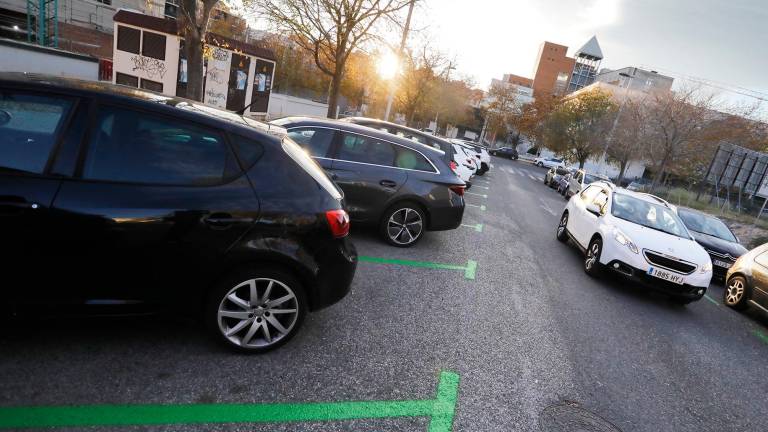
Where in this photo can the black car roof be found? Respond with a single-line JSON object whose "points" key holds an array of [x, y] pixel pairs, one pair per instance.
{"points": [[399, 126], [179, 106], [291, 122]]}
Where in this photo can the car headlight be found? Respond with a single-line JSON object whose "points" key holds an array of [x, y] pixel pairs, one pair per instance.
{"points": [[706, 267], [623, 240]]}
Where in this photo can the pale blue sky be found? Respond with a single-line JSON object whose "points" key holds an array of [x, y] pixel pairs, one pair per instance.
{"points": [[723, 41]]}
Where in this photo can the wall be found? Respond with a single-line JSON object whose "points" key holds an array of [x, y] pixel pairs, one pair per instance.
{"points": [[19, 56], [282, 105], [552, 60], [164, 71], [642, 80]]}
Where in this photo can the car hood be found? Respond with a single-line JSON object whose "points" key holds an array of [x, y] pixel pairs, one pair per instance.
{"points": [[719, 245], [668, 244]]}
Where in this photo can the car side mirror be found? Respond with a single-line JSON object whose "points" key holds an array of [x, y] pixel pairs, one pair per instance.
{"points": [[594, 209]]}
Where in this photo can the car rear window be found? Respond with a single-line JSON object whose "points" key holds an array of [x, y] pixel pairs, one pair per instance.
{"points": [[310, 166]]}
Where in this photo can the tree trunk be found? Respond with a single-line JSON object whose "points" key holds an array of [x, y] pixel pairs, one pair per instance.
{"points": [[622, 168], [582, 161], [333, 94], [194, 50], [658, 176]]}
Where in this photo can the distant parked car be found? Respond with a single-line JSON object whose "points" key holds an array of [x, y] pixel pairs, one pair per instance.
{"points": [[747, 281], [505, 152], [401, 186], [563, 182], [715, 237], [548, 162], [639, 185], [481, 153], [580, 179], [552, 177]]}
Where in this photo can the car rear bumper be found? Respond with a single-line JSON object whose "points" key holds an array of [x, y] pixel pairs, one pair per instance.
{"points": [[336, 266], [447, 217], [641, 277]]}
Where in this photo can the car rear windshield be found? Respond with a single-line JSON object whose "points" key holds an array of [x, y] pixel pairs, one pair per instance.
{"points": [[704, 224], [647, 214], [588, 178], [310, 166]]}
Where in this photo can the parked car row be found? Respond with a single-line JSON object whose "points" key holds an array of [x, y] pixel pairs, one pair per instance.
{"points": [[133, 202]]}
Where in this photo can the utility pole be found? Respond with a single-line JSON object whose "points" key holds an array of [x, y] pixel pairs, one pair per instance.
{"points": [[391, 95], [447, 79]]}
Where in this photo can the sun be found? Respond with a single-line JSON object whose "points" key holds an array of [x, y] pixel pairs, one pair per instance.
{"points": [[388, 66]]}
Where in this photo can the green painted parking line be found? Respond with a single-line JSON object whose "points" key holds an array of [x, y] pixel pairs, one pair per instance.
{"points": [[476, 194], [481, 207], [762, 336], [441, 411], [712, 300], [478, 227], [469, 269]]}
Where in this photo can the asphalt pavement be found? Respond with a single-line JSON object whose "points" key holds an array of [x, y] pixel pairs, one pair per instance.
{"points": [[537, 345]]}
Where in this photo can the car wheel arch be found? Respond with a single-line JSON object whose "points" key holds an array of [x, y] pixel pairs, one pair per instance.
{"points": [[408, 199]]}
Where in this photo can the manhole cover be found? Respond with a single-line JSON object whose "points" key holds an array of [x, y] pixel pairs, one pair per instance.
{"points": [[569, 417]]}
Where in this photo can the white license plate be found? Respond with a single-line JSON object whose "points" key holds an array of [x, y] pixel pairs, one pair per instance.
{"points": [[724, 264], [667, 276]]}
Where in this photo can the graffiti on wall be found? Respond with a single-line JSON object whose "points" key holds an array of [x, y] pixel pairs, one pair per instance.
{"points": [[217, 75], [150, 66]]}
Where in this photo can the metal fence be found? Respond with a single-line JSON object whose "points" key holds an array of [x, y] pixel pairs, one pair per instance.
{"points": [[739, 168]]}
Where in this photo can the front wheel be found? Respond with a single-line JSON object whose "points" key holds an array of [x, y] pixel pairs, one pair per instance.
{"points": [[562, 228], [540, 165], [256, 310], [403, 224], [592, 258], [735, 294]]}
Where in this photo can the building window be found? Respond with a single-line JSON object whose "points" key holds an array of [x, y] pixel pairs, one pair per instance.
{"points": [[128, 39], [152, 85], [127, 80], [106, 2], [171, 8], [153, 46]]}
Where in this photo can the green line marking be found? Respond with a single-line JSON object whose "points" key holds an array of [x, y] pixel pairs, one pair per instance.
{"points": [[475, 194], [478, 227], [441, 411], [762, 336], [481, 207], [712, 300], [469, 269]]}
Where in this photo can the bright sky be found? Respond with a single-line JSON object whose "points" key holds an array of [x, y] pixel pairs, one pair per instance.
{"points": [[722, 41]]}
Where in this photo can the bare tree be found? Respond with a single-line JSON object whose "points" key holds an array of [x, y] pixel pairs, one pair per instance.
{"points": [[628, 136], [502, 107], [419, 81], [195, 16], [329, 29]]}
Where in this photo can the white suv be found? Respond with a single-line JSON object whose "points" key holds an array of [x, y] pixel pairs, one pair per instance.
{"points": [[638, 236]]}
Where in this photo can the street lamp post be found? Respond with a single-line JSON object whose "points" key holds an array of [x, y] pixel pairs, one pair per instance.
{"points": [[447, 79], [391, 94]]}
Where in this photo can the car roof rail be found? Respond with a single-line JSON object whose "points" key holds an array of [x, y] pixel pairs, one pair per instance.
{"points": [[656, 198]]}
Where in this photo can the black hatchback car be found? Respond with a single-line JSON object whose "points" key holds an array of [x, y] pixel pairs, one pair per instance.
{"points": [[505, 152], [715, 237], [403, 187], [117, 200]]}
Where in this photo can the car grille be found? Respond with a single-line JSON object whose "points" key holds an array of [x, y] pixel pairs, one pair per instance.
{"points": [[669, 263], [721, 256]]}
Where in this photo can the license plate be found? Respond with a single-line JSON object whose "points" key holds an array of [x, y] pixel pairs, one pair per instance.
{"points": [[667, 276], [724, 264]]}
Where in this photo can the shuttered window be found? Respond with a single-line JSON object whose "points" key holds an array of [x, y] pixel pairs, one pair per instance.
{"points": [[128, 39], [153, 46]]}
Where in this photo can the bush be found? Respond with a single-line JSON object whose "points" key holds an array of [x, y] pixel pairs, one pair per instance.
{"points": [[757, 241], [533, 150]]}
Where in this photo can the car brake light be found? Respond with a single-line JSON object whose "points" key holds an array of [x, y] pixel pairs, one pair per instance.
{"points": [[454, 166], [458, 190], [338, 221]]}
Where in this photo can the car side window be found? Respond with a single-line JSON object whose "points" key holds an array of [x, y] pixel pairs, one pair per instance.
{"points": [[316, 140], [410, 159], [29, 127], [589, 193], [357, 148], [136, 147], [601, 199], [762, 259]]}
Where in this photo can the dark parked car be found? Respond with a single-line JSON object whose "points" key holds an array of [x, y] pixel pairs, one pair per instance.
{"points": [[394, 183], [115, 200], [747, 281], [505, 152], [553, 176], [715, 237]]}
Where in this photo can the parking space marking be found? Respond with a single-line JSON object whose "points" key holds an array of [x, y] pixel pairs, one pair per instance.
{"points": [[441, 411], [481, 207], [532, 177], [760, 335], [711, 300], [476, 194], [512, 170], [469, 270], [478, 227], [481, 187]]}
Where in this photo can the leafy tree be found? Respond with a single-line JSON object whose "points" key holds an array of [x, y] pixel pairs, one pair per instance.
{"points": [[502, 107], [627, 138], [577, 127], [532, 118], [195, 17], [418, 84], [330, 30]]}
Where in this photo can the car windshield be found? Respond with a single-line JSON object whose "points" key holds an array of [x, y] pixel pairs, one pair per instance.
{"points": [[589, 178], [704, 224], [647, 214]]}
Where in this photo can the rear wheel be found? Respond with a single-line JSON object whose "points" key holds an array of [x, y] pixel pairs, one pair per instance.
{"points": [[256, 310], [592, 258], [736, 293], [403, 224], [562, 228]]}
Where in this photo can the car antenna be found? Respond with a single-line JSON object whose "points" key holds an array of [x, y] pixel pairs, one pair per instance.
{"points": [[241, 111]]}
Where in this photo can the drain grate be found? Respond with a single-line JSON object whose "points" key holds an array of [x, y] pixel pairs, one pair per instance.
{"points": [[570, 417]]}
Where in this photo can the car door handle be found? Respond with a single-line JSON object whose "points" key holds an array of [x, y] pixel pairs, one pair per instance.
{"points": [[224, 220], [334, 177], [388, 183]]}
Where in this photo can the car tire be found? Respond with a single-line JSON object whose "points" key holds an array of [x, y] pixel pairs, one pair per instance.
{"points": [[540, 165], [255, 310], [562, 228], [736, 293], [592, 257], [545, 181], [481, 172], [401, 219]]}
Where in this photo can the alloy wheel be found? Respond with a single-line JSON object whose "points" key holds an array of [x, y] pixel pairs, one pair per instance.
{"points": [[734, 292], [592, 253], [561, 226], [258, 313], [404, 226]]}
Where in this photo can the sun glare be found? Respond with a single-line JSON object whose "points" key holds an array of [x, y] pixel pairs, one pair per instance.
{"points": [[388, 66]]}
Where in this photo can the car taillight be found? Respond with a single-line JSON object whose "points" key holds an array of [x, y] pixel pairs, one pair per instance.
{"points": [[454, 166], [458, 190], [338, 221]]}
